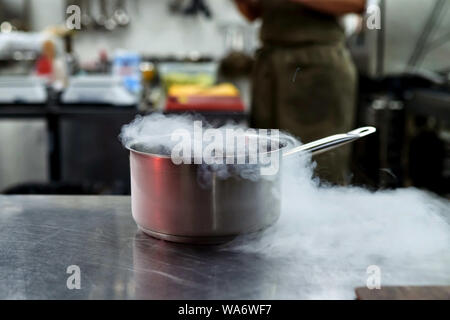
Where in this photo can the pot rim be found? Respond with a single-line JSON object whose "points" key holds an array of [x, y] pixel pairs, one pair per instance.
{"points": [[287, 140]]}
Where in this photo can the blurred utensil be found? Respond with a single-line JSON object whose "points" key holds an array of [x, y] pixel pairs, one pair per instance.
{"points": [[120, 14], [86, 17], [100, 18], [103, 20]]}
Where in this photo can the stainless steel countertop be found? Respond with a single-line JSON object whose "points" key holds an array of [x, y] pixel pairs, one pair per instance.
{"points": [[40, 236]]}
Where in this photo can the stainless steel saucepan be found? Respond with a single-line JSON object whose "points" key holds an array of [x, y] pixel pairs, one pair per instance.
{"points": [[169, 203]]}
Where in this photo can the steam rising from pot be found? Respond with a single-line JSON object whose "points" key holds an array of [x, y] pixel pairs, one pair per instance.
{"points": [[228, 150], [331, 235]]}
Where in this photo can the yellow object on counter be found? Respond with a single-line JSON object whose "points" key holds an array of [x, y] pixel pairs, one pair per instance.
{"points": [[178, 78], [223, 89]]}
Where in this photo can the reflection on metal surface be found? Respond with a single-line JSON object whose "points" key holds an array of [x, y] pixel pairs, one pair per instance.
{"points": [[178, 271], [43, 235]]}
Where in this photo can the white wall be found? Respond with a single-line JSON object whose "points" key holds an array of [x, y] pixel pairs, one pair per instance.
{"points": [[46, 12], [153, 30]]}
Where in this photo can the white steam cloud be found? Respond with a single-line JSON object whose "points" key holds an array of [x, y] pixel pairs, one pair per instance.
{"points": [[153, 131], [328, 236], [162, 134]]}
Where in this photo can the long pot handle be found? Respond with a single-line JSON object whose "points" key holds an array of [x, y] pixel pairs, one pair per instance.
{"points": [[331, 142]]}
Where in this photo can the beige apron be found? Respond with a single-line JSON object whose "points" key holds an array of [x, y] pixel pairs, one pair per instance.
{"points": [[304, 81]]}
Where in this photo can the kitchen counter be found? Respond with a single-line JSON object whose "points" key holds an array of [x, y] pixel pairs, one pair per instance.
{"points": [[41, 236]]}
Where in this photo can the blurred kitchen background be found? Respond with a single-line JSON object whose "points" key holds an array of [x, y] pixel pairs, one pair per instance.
{"points": [[59, 130]]}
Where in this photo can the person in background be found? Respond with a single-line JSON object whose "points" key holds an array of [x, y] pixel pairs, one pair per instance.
{"points": [[304, 80]]}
